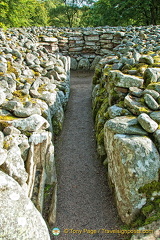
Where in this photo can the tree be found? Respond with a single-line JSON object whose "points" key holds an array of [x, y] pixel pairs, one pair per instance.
{"points": [[18, 13], [125, 12]]}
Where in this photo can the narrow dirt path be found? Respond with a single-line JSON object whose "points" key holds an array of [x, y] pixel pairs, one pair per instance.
{"points": [[84, 199]]}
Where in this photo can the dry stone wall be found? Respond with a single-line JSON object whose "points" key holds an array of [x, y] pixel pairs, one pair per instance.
{"points": [[34, 90], [126, 108], [86, 46]]}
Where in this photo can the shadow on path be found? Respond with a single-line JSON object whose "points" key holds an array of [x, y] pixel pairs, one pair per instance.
{"points": [[84, 198]]}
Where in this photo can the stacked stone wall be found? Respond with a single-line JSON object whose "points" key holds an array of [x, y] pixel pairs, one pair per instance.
{"points": [[126, 108], [34, 91], [86, 46]]}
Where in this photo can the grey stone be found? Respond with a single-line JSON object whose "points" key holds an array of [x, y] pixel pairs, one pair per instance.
{"points": [[74, 64], [4, 112], [29, 44], [28, 73], [125, 125], [147, 123], [124, 80], [155, 116], [153, 93], [137, 159], [59, 69], [117, 66], [11, 130], [15, 138], [135, 105], [136, 56], [49, 39], [30, 58], [54, 74], [115, 111], [3, 67], [14, 165], [95, 62], [137, 92], [23, 216], [126, 60], [151, 75], [3, 155], [92, 38], [146, 59], [156, 135], [26, 112], [154, 86], [2, 97], [151, 102], [31, 124], [12, 105], [84, 64], [16, 53], [1, 139], [132, 72]]}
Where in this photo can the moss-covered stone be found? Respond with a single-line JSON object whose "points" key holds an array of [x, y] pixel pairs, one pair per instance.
{"points": [[141, 67], [150, 212], [7, 118], [100, 117], [97, 75], [154, 86], [21, 96], [11, 69], [4, 121], [98, 100], [100, 144]]}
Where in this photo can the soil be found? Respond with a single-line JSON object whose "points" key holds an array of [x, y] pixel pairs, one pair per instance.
{"points": [[85, 202]]}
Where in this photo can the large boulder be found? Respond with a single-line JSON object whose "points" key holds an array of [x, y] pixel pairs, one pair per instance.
{"points": [[20, 220], [133, 161]]}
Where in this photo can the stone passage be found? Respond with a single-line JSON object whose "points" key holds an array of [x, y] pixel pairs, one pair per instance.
{"points": [[84, 199]]}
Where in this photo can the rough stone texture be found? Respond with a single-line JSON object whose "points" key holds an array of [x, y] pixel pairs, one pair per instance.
{"points": [[14, 165], [83, 64], [135, 105], [115, 111], [151, 75], [125, 125], [20, 220], [92, 42], [126, 81], [137, 92], [32, 124], [112, 99], [146, 59], [153, 93], [34, 91], [149, 100], [137, 159], [147, 123], [155, 116]]}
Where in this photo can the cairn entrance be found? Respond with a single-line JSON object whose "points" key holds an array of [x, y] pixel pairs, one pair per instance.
{"points": [[85, 202]]}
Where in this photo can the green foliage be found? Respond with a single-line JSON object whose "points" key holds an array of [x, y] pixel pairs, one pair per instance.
{"points": [[117, 12], [78, 13], [18, 13]]}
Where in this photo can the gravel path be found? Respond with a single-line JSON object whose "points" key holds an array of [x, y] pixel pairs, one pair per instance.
{"points": [[84, 200]]}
